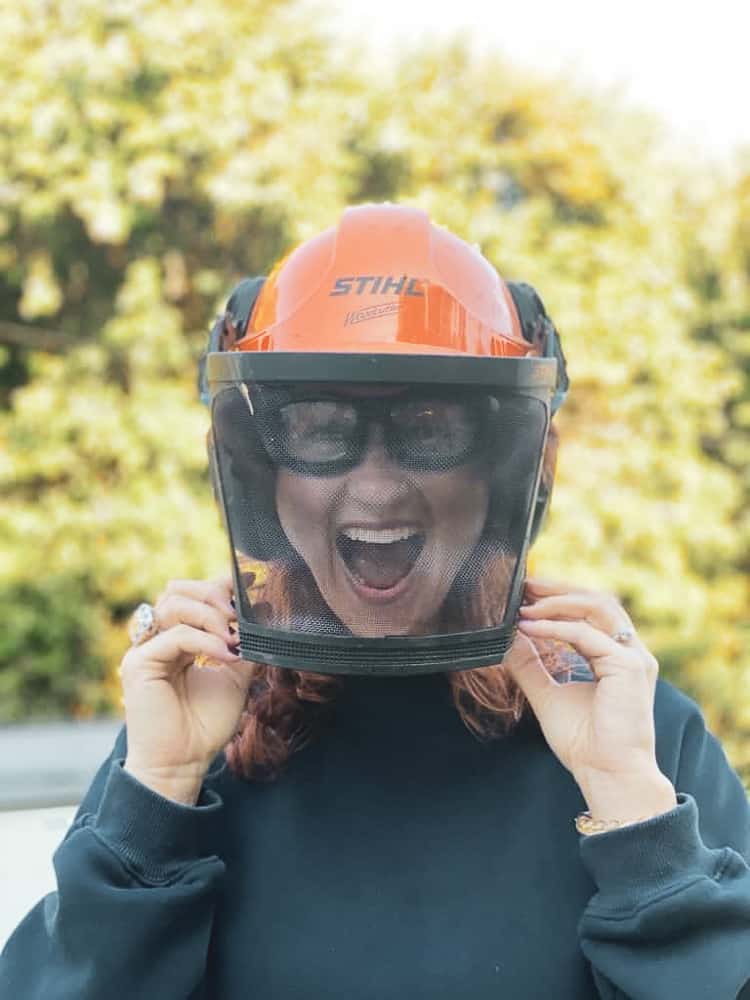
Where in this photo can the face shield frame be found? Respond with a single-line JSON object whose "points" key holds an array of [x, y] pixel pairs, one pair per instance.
{"points": [[535, 377]]}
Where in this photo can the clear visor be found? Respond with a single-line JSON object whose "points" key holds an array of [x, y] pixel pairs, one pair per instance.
{"points": [[376, 511]]}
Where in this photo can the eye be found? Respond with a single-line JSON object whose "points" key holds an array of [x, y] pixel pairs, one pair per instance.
{"points": [[448, 426], [317, 430]]}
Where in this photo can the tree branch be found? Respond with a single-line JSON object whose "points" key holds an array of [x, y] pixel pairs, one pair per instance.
{"points": [[33, 337]]}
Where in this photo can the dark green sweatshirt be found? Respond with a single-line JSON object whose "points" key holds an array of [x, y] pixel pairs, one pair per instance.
{"points": [[398, 858]]}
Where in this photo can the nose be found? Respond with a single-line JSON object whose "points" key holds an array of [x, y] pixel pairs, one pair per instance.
{"points": [[377, 479]]}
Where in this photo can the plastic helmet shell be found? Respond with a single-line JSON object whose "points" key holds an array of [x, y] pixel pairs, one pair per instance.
{"points": [[386, 280]]}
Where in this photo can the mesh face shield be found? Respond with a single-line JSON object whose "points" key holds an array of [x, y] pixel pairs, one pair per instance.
{"points": [[378, 507]]}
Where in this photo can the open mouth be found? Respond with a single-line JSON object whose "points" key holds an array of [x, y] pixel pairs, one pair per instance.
{"points": [[380, 558]]}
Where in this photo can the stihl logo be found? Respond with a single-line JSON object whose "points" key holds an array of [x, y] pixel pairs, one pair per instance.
{"points": [[379, 284]]}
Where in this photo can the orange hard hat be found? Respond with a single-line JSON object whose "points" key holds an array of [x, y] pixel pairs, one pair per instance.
{"points": [[384, 302], [386, 280]]}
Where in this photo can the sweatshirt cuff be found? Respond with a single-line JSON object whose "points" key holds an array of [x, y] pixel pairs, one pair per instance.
{"points": [[644, 858], [152, 834]]}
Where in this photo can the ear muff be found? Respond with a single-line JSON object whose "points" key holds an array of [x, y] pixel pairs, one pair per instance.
{"points": [[539, 329], [227, 329]]}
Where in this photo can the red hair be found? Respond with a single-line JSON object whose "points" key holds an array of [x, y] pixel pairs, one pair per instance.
{"points": [[285, 708]]}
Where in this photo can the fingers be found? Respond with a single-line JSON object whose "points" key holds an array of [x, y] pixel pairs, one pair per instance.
{"points": [[527, 669], [599, 610], [193, 618], [586, 638], [588, 621], [176, 609], [216, 592], [173, 650]]}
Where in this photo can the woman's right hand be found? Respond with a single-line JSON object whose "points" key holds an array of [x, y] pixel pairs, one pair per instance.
{"points": [[179, 715]]}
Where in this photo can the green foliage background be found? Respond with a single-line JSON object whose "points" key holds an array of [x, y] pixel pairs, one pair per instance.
{"points": [[152, 153]]}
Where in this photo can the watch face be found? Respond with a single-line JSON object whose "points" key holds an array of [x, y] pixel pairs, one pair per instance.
{"points": [[377, 510]]}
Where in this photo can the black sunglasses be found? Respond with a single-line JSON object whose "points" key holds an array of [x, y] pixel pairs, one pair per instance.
{"points": [[324, 434]]}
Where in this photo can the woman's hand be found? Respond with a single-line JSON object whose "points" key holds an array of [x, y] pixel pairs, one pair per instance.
{"points": [[179, 713], [602, 732]]}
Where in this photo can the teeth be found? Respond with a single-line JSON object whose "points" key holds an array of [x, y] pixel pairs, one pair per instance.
{"points": [[380, 536]]}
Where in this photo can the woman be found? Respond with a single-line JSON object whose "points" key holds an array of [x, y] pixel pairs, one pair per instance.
{"points": [[382, 527]]}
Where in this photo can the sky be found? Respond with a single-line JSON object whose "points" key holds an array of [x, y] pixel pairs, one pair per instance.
{"points": [[689, 63]]}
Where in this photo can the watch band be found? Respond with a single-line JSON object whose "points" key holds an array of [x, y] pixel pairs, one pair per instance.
{"points": [[586, 824]]}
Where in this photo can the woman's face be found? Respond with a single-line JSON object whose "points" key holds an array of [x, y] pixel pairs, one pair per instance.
{"points": [[384, 543]]}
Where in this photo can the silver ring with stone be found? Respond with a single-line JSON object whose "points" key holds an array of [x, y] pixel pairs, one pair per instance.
{"points": [[143, 624], [624, 635]]}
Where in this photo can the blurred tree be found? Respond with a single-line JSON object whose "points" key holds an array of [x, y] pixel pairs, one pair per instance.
{"points": [[584, 199], [154, 153], [717, 263]]}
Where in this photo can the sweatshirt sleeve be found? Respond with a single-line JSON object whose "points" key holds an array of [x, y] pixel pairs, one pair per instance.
{"points": [[133, 910], [671, 915]]}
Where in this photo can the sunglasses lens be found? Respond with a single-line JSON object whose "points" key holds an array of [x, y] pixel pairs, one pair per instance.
{"points": [[433, 432], [318, 431]]}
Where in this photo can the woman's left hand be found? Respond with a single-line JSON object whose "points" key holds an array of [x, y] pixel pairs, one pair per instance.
{"points": [[602, 732]]}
